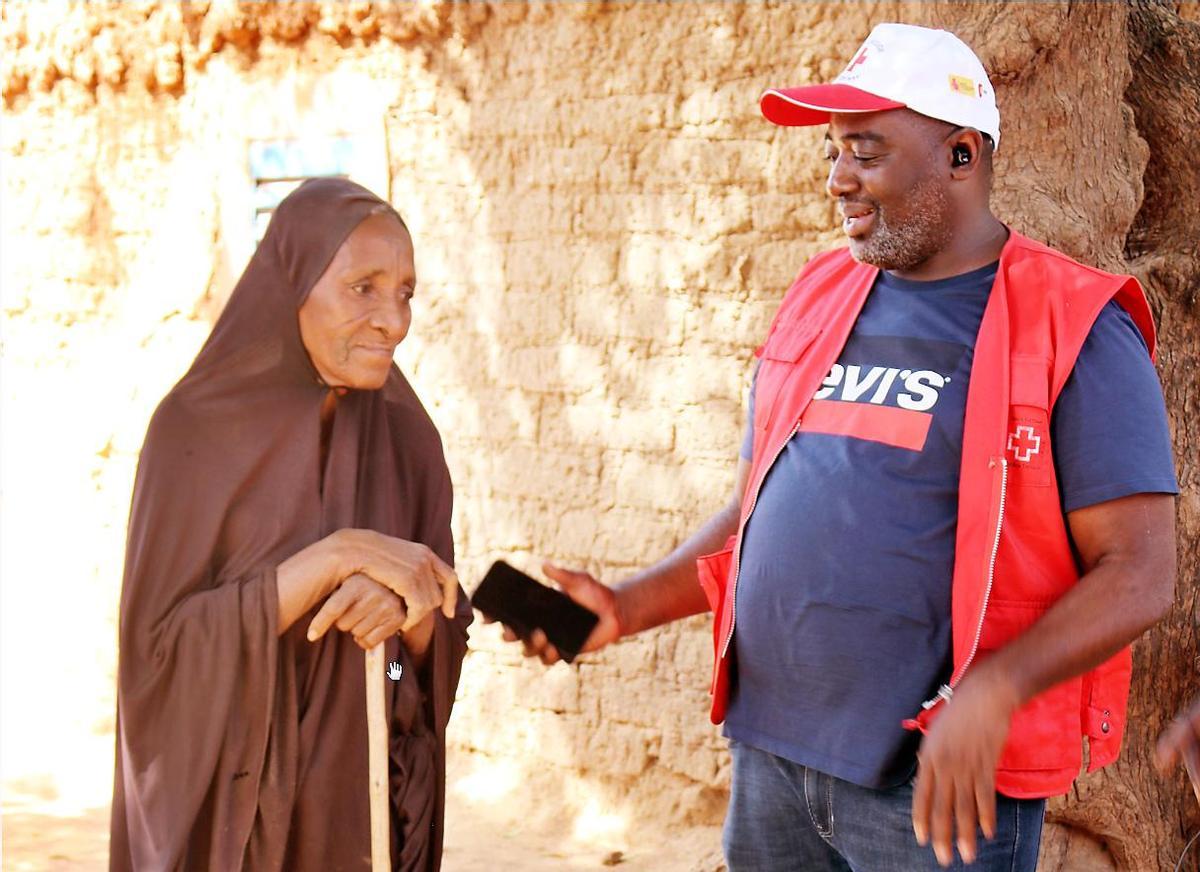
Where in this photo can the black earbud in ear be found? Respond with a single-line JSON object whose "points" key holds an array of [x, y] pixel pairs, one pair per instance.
{"points": [[961, 156]]}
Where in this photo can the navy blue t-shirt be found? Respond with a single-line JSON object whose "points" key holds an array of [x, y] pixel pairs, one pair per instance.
{"points": [[843, 596]]}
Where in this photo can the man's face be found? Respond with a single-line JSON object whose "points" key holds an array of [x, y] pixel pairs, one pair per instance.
{"points": [[890, 178], [359, 309]]}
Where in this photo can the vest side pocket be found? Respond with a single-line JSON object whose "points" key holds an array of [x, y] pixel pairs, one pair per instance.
{"points": [[712, 570], [1103, 707], [1043, 734]]}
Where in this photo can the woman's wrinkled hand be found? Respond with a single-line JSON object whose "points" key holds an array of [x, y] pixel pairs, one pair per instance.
{"points": [[409, 569], [362, 607]]}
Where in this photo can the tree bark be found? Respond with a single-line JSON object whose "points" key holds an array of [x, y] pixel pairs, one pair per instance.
{"points": [[1100, 106], [1128, 817]]}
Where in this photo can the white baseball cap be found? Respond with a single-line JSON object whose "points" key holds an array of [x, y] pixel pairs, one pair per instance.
{"points": [[932, 72]]}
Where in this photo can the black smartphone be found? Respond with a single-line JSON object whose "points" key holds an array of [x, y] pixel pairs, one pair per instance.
{"points": [[513, 598]]}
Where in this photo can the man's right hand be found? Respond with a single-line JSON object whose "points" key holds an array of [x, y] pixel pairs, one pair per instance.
{"points": [[584, 589], [665, 592]]}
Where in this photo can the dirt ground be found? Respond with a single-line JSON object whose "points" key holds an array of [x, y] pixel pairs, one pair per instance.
{"points": [[39, 838]]}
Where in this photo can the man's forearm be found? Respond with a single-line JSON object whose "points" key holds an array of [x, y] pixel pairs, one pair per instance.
{"points": [[1111, 606], [669, 590], [1128, 547]]}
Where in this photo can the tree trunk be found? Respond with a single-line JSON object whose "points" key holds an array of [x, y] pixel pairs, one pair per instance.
{"points": [[1128, 817]]}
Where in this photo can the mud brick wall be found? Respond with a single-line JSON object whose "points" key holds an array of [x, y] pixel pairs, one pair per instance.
{"points": [[603, 225]]}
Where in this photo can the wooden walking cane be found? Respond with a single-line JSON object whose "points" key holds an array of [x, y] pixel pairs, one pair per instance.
{"points": [[377, 746]]}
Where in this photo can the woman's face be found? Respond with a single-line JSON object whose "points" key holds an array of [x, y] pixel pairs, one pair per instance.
{"points": [[360, 308]]}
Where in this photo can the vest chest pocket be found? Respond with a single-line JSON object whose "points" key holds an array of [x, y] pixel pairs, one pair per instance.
{"points": [[788, 342], [779, 361], [1027, 447]]}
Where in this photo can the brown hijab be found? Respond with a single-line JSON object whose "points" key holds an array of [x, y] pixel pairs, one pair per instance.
{"points": [[237, 748]]}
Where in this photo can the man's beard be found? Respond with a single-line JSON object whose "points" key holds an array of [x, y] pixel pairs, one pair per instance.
{"points": [[921, 230]]}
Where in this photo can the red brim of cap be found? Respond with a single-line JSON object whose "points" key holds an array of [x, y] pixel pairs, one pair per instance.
{"points": [[812, 104]]}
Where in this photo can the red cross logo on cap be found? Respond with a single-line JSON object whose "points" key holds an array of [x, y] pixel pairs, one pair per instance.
{"points": [[1024, 443], [858, 58]]}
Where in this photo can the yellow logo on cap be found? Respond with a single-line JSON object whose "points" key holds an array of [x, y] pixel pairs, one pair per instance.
{"points": [[963, 85]]}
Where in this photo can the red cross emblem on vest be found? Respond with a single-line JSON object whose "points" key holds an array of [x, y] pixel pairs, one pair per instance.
{"points": [[1024, 443]]}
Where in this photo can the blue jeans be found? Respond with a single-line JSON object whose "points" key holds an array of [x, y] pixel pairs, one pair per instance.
{"points": [[783, 817]]}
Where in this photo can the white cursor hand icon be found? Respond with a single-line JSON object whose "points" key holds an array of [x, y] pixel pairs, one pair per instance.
{"points": [[394, 670]]}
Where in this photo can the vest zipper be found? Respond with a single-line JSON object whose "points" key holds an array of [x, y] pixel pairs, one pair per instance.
{"points": [[737, 557], [947, 690]]}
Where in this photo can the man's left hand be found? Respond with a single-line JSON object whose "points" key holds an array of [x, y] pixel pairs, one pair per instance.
{"points": [[956, 774]]}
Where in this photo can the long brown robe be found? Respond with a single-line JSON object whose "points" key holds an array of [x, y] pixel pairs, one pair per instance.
{"points": [[238, 749]]}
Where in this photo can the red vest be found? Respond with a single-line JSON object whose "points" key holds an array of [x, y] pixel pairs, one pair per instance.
{"points": [[1012, 559]]}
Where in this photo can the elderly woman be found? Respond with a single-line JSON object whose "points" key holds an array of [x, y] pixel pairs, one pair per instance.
{"points": [[292, 507]]}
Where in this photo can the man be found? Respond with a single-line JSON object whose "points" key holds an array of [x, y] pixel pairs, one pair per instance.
{"points": [[953, 506]]}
